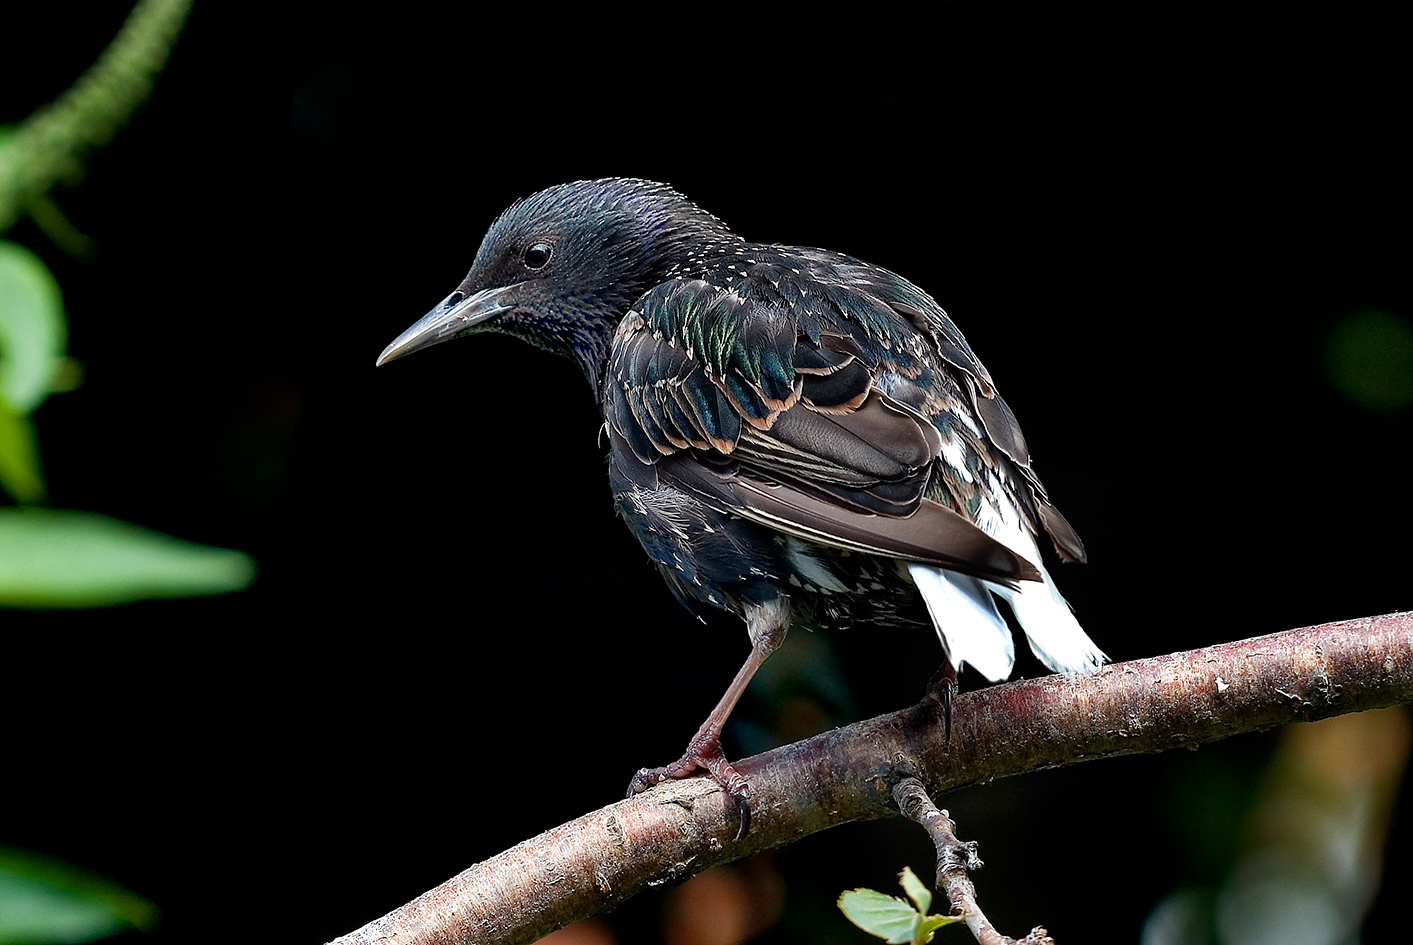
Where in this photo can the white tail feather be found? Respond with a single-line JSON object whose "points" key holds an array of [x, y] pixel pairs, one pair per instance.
{"points": [[1055, 635], [973, 631], [967, 621]]}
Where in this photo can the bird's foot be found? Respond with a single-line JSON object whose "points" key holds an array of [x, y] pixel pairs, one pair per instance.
{"points": [[942, 690], [703, 753]]}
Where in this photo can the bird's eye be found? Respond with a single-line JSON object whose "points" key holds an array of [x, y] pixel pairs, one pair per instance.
{"points": [[537, 256]]}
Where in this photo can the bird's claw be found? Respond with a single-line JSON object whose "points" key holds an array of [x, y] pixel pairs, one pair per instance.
{"points": [[942, 690], [710, 757], [646, 778], [739, 797]]}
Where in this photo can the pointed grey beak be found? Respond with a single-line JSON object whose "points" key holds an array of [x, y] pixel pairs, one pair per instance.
{"points": [[455, 315]]}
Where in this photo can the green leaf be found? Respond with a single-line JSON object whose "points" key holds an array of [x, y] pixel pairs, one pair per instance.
{"points": [[887, 917], [32, 330], [51, 558], [890, 918], [44, 900], [917, 892], [20, 474], [928, 926]]}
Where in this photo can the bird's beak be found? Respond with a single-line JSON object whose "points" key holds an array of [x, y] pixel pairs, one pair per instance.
{"points": [[457, 314]]}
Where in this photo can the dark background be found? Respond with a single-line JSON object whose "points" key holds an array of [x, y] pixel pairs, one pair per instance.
{"points": [[1147, 223]]}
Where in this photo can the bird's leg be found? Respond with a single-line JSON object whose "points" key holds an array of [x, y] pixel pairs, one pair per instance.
{"points": [[766, 624], [942, 689]]}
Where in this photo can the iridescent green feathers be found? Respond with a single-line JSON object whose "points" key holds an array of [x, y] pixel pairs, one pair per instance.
{"points": [[717, 359]]}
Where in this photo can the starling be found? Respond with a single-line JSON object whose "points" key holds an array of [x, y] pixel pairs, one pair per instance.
{"points": [[795, 436]]}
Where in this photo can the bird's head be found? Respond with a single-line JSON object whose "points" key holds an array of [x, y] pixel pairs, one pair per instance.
{"points": [[561, 268]]}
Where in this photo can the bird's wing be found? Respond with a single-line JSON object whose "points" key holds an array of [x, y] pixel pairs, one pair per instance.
{"points": [[827, 399]]}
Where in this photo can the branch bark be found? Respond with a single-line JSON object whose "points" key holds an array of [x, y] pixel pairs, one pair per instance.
{"points": [[679, 829]]}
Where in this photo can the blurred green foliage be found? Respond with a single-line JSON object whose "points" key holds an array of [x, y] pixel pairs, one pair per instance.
{"points": [[32, 338], [50, 558], [57, 558], [1307, 850], [44, 899], [53, 558], [1369, 359]]}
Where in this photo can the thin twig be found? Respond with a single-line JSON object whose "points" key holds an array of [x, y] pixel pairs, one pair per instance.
{"points": [[679, 829], [49, 145], [954, 861]]}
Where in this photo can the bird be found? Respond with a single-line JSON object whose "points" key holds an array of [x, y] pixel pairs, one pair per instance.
{"points": [[795, 436]]}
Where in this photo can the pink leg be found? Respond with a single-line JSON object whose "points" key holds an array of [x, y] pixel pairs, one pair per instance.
{"points": [[767, 624]]}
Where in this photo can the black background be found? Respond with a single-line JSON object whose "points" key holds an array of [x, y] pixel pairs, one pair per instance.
{"points": [[1147, 224]]}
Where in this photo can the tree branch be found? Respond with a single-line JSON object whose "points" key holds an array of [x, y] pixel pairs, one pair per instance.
{"points": [[679, 829]]}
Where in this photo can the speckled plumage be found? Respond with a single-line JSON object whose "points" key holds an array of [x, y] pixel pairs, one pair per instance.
{"points": [[795, 435]]}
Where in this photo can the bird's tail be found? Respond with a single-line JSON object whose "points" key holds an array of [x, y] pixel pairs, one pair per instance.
{"points": [[966, 618], [973, 631], [1055, 635]]}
